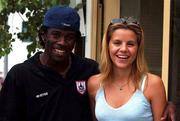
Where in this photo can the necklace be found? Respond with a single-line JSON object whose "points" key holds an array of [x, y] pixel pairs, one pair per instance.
{"points": [[120, 87]]}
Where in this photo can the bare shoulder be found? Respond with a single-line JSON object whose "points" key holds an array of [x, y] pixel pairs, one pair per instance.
{"points": [[93, 84], [154, 80], [94, 80], [155, 86]]}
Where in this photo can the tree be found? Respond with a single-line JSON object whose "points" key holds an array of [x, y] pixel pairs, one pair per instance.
{"points": [[34, 10]]}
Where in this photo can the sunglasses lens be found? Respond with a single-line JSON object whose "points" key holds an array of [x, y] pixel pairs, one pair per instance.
{"points": [[128, 20], [117, 21]]}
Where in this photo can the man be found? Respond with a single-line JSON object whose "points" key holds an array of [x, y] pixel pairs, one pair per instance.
{"points": [[51, 85]]}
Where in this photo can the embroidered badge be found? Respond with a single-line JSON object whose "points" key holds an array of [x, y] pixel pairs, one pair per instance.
{"points": [[42, 95], [81, 86]]}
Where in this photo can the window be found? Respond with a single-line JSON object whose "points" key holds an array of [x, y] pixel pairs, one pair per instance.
{"points": [[150, 15]]}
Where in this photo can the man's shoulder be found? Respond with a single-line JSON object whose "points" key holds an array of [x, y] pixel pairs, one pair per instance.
{"points": [[84, 60], [26, 64], [85, 65]]}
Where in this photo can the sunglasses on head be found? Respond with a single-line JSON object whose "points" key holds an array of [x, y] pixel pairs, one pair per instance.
{"points": [[128, 20]]}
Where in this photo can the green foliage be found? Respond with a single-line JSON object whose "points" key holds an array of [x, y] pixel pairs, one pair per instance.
{"points": [[34, 10]]}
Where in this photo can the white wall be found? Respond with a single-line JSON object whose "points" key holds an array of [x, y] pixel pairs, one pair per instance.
{"points": [[19, 51]]}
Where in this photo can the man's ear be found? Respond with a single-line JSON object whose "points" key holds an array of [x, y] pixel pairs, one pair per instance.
{"points": [[43, 36]]}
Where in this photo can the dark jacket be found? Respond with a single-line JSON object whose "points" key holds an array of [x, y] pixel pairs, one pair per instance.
{"points": [[33, 92]]}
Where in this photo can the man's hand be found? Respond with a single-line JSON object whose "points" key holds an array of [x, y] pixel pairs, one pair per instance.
{"points": [[169, 112]]}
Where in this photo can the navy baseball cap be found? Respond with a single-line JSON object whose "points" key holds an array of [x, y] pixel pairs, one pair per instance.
{"points": [[62, 17]]}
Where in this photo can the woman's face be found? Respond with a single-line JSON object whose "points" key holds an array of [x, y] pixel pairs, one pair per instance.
{"points": [[123, 48]]}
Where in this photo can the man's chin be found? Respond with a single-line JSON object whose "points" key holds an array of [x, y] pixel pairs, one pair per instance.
{"points": [[59, 58]]}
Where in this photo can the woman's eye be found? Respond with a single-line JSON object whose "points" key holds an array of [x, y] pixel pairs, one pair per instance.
{"points": [[131, 44], [116, 43]]}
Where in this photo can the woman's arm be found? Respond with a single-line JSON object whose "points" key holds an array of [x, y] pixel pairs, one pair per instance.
{"points": [[157, 96], [92, 86]]}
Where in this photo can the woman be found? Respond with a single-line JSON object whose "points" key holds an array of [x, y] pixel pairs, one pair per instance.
{"points": [[125, 90]]}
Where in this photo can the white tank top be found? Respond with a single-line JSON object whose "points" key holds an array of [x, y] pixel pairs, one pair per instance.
{"points": [[137, 108]]}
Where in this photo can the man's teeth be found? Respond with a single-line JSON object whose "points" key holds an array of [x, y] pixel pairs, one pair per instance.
{"points": [[59, 51]]}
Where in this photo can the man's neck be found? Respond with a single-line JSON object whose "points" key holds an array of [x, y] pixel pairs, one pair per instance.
{"points": [[61, 67]]}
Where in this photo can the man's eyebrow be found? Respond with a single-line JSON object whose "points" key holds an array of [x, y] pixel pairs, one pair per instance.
{"points": [[56, 31]]}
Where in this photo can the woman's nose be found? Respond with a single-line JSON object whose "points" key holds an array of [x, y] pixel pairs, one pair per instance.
{"points": [[123, 47]]}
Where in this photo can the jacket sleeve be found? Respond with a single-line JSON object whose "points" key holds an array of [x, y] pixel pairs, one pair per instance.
{"points": [[12, 104]]}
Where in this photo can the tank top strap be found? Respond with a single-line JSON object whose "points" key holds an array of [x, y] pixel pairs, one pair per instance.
{"points": [[143, 81], [100, 84], [100, 89]]}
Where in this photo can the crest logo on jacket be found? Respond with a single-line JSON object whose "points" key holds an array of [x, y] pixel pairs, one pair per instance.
{"points": [[81, 86]]}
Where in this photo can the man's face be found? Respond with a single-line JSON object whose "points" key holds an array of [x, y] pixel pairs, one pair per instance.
{"points": [[59, 44]]}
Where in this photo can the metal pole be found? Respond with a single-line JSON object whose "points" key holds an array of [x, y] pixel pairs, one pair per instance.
{"points": [[5, 65]]}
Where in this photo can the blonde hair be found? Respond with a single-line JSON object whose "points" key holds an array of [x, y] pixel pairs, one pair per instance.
{"points": [[139, 66]]}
